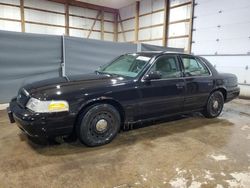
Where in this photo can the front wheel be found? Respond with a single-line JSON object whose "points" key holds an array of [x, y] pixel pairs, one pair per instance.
{"points": [[214, 105], [99, 125]]}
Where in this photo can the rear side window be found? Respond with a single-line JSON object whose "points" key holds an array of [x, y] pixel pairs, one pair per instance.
{"points": [[192, 67]]}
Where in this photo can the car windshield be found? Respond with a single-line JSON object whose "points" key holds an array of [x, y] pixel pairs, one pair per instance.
{"points": [[126, 65]]}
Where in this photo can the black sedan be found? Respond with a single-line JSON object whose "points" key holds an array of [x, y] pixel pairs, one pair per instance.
{"points": [[132, 88]]}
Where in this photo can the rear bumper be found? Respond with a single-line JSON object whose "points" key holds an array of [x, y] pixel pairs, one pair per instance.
{"points": [[40, 124], [232, 94]]}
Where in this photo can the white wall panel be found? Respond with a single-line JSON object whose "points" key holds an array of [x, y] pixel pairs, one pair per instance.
{"points": [[95, 35], [128, 24], [178, 43], [177, 2], [152, 19], [108, 26], [108, 36], [158, 4], [178, 29], [83, 12], [13, 2], [158, 18], [44, 17], [10, 26], [231, 64], [78, 33], [108, 16], [83, 23], [156, 32], [144, 34], [211, 47], [120, 37], [180, 13], [145, 21], [78, 22], [10, 12], [47, 5], [33, 28], [130, 36], [145, 6], [128, 11], [151, 33]]}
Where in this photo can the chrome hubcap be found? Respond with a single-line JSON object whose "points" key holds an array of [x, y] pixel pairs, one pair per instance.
{"points": [[101, 125], [215, 104]]}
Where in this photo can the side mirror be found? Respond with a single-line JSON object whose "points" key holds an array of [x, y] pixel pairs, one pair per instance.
{"points": [[153, 76]]}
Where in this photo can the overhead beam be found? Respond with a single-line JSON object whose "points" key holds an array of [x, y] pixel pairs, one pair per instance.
{"points": [[22, 15], [137, 10], [86, 5], [166, 22]]}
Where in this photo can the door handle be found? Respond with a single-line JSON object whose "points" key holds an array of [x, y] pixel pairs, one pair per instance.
{"points": [[180, 85]]}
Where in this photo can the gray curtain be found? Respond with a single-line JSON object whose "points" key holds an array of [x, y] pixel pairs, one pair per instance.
{"points": [[26, 58], [87, 55]]}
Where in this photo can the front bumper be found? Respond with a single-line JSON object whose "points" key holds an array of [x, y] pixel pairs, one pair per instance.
{"points": [[40, 124]]}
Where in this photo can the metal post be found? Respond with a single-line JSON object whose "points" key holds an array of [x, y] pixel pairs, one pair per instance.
{"points": [[63, 56], [138, 47]]}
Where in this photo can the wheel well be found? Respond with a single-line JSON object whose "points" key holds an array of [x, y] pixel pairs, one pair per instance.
{"points": [[223, 91], [115, 104]]}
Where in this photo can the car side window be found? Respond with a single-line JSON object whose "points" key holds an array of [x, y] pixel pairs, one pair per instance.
{"points": [[192, 67], [167, 66]]}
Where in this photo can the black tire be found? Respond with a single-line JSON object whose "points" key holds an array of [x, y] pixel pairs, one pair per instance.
{"points": [[98, 125], [214, 105]]}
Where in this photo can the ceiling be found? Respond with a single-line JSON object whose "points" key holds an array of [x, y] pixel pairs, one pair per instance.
{"points": [[110, 3]]}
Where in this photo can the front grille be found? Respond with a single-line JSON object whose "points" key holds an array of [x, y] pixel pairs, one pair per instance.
{"points": [[22, 97]]}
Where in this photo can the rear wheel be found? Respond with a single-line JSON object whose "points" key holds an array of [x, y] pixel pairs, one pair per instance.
{"points": [[214, 105], [99, 125]]}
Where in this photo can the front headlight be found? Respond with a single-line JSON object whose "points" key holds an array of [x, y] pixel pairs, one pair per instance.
{"points": [[47, 106]]}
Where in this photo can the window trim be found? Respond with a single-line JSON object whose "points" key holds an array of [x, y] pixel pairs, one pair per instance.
{"points": [[199, 61], [155, 60]]}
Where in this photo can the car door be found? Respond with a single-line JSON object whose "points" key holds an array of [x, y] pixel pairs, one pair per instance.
{"points": [[199, 82], [164, 96]]}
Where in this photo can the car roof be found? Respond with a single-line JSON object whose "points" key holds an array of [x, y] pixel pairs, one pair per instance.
{"points": [[154, 53]]}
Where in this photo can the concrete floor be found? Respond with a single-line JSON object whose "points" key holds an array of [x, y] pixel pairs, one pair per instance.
{"points": [[188, 152]]}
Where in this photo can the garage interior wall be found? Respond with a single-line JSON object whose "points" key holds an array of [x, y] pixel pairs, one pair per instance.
{"points": [[159, 22], [222, 35], [28, 57], [47, 17]]}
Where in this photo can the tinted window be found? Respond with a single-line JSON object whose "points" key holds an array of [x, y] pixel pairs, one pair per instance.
{"points": [[167, 66], [194, 68]]}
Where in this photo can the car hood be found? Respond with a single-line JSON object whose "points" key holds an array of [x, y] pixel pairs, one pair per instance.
{"points": [[57, 86]]}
